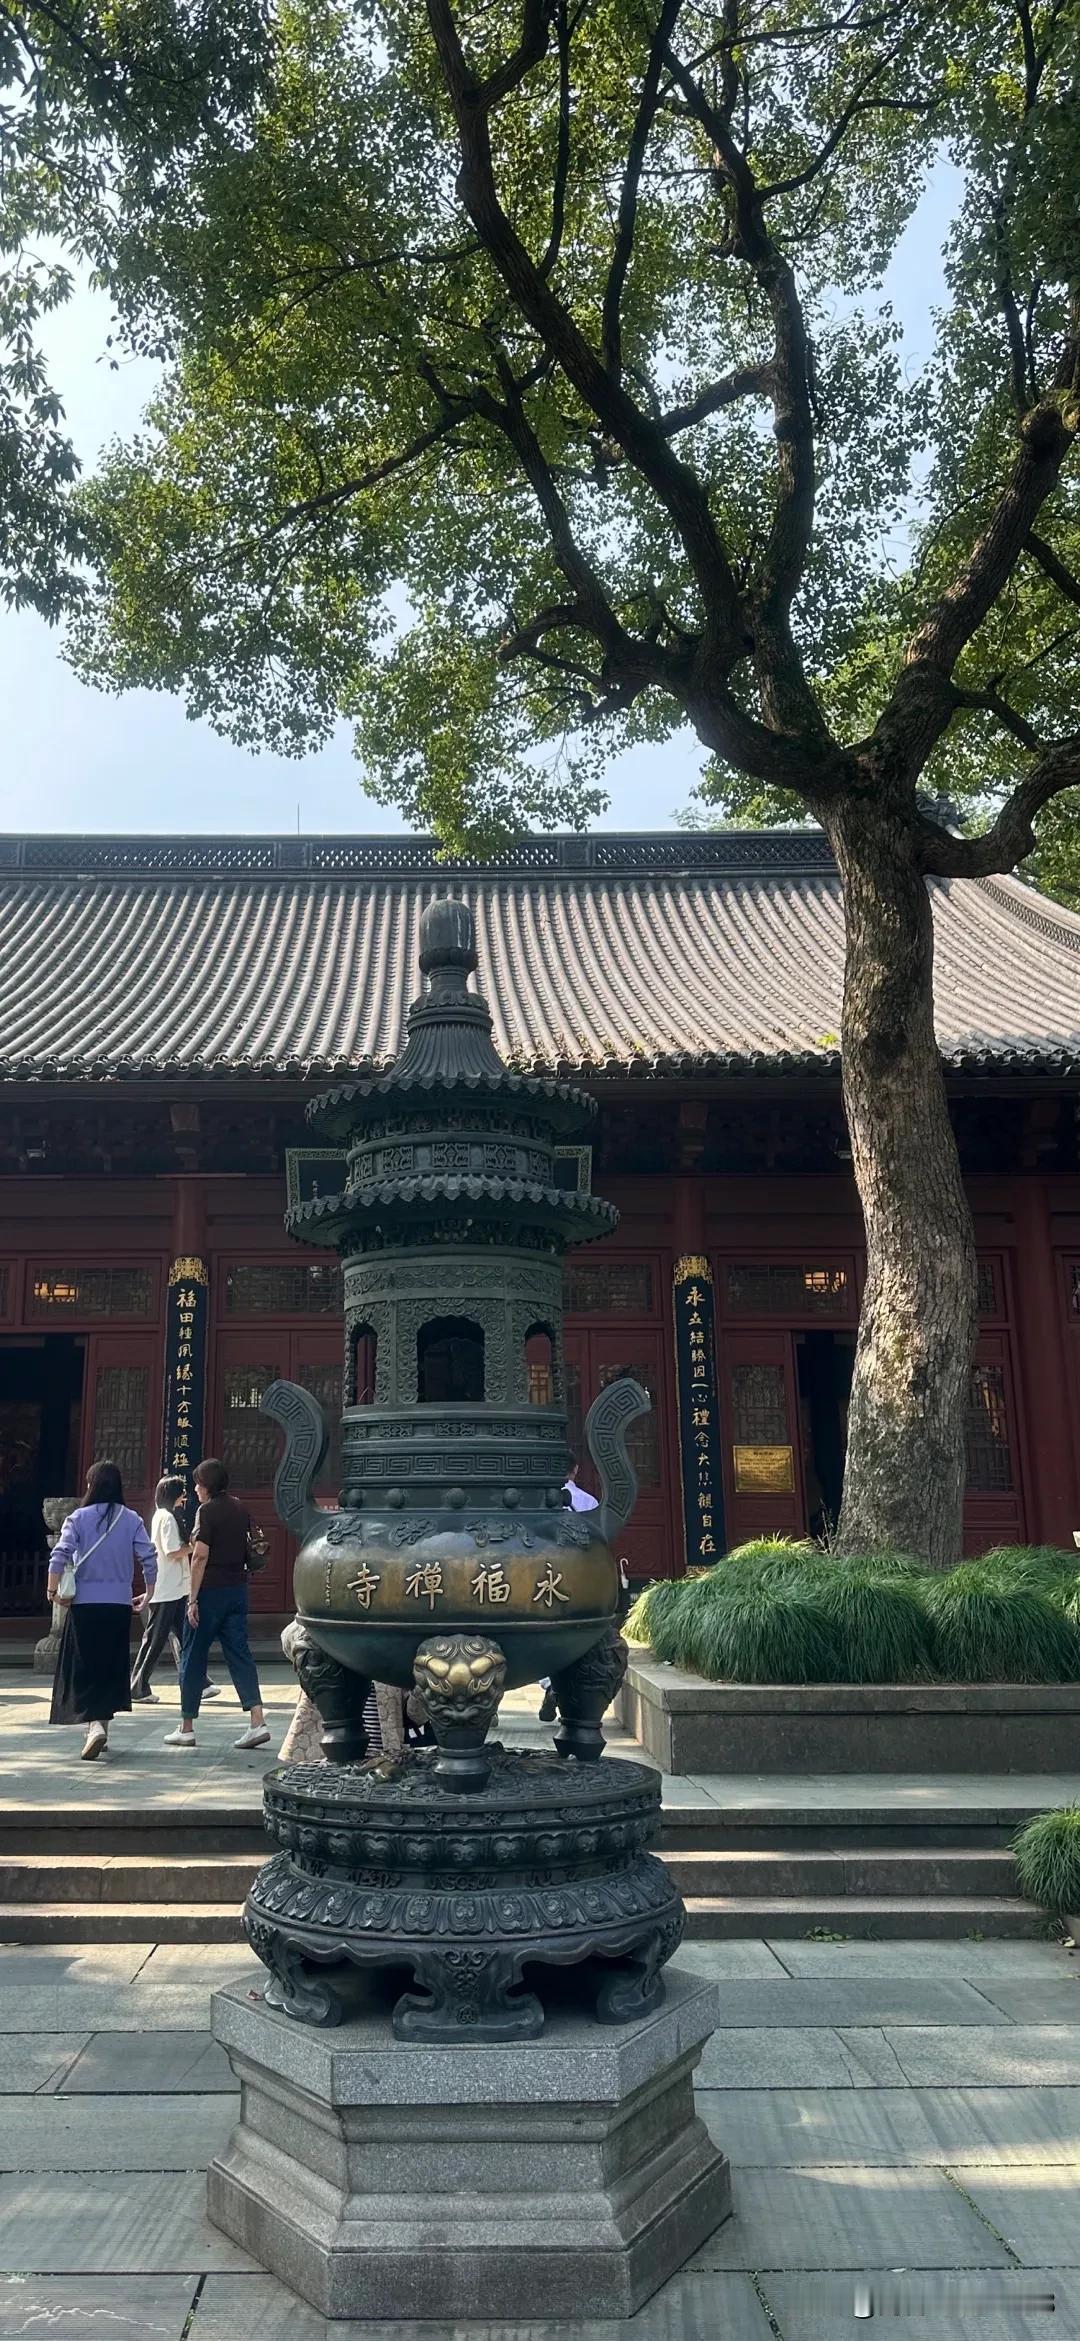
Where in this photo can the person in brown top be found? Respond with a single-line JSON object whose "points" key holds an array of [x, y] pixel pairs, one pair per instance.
{"points": [[217, 1608]]}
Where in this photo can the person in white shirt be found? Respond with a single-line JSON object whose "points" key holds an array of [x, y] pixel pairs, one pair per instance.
{"points": [[580, 1501], [165, 1604]]}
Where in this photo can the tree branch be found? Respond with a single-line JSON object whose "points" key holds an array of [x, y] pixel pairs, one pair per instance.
{"points": [[742, 383], [1054, 568], [307, 507], [536, 20], [992, 703], [679, 490], [922, 699], [562, 150], [785, 690], [611, 326], [1011, 836]]}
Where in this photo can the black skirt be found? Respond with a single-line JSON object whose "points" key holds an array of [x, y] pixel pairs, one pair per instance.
{"points": [[92, 1682]]}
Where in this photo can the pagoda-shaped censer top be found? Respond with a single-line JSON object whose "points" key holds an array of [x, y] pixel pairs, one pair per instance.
{"points": [[452, 1228]]}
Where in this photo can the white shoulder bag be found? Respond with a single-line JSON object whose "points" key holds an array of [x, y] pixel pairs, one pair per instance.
{"points": [[65, 1592]]}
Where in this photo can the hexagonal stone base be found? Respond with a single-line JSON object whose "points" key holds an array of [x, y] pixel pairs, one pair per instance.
{"points": [[568, 2177]]}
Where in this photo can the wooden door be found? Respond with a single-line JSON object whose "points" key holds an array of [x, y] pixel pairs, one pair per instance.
{"points": [[993, 1497], [249, 1444], [759, 1430], [122, 1411], [600, 1355]]}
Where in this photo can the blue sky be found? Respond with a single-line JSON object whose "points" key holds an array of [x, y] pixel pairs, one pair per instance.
{"points": [[81, 760]]}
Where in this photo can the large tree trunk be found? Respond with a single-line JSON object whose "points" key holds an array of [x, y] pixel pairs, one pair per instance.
{"points": [[904, 1478]]}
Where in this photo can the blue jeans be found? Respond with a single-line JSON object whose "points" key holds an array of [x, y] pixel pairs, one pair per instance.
{"points": [[222, 1618]]}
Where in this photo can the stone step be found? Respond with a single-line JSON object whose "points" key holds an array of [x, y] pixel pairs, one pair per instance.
{"points": [[209, 1878], [120, 1922], [717, 1918], [708, 1828], [877, 1871], [710, 1918], [100, 1832]]}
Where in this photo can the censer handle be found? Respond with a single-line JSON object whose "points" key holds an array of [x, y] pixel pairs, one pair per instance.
{"points": [[609, 1418], [306, 1441]]}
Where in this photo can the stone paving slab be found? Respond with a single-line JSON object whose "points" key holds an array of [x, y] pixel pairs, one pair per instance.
{"points": [[708, 2307], [732, 1962], [820, 2308], [862, 2217], [776, 2128], [109, 1963], [205, 1963], [1036, 2209], [854, 2000], [774, 2058], [177, 2007], [1028, 2056], [166, 2063], [919, 1962], [917, 1794], [68, 2132], [125, 2308], [101, 2224], [37, 2061], [1036, 2003]]}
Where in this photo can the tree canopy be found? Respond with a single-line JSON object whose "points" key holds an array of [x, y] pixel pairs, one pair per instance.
{"points": [[99, 101], [530, 394]]}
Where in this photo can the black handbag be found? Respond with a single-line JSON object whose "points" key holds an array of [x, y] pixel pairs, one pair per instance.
{"points": [[258, 1551]]}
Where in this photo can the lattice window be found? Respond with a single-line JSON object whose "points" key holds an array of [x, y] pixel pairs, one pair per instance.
{"points": [[643, 1436], [767, 1288], [1074, 1298], [302, 1289], [121, 1409], [249, 1441], [324, 1383], [989, 1289], [759, 1406], [93, 1292], [608, 1288], [989, 1455]]}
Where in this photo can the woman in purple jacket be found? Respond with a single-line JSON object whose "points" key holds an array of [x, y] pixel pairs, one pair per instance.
{"points": [[103, 1541]]}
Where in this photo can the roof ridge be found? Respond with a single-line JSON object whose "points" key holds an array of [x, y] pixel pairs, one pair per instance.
{"points": [[664, 851]]}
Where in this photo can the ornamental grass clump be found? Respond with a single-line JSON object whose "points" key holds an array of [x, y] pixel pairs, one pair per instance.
{"points": [[1047, 1855], [879, 1623], [645, 1619], [1046, 1566], [759, 1629], [984, 1630]]}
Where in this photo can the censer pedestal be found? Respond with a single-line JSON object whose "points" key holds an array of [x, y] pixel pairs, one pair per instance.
{"points": [[567, 2177]]}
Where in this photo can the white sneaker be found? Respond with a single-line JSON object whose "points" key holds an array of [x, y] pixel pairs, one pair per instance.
{"points": [[212, 1691], [179, 1739], [97, 1737], [257, 1735]]}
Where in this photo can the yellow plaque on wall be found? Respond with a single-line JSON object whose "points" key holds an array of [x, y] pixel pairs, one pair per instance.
{"points": [[764, 1471]]}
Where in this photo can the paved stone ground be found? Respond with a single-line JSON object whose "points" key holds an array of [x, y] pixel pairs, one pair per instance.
{"points": [[887, 2107], [899, 2115]]}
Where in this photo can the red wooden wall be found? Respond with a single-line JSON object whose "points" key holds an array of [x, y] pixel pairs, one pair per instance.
{"points": [[91, 1258]]}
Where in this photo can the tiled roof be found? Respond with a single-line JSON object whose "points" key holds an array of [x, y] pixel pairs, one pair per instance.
{"points": [[142, 957]]}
